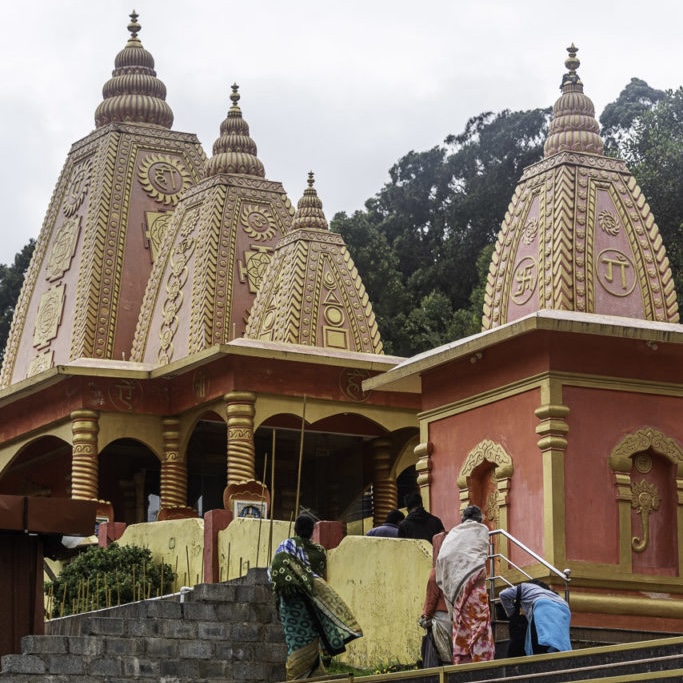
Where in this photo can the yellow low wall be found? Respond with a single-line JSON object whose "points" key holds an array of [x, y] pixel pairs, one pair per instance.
{"points": [[382, 580], [178, 542]]}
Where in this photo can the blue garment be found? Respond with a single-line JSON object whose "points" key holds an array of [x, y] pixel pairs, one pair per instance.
{"points": [[388, 530], [551, 619]]}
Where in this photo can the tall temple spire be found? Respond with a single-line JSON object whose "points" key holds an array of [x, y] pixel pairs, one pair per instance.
{"points": [[573, 127], [578, 234], [311, 293], [309, 210], [134, 94], [234, 151]]}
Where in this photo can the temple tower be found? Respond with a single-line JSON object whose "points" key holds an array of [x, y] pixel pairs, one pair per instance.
{"points": [[312, 293], [107, 218], [578, 234], [220, 242]]}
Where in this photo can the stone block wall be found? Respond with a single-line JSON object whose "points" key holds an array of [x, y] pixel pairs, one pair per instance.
{"points": [[224, 631]]}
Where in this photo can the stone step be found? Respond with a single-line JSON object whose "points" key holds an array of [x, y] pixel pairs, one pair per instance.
{"points": [[597, 663], [191, 662]]}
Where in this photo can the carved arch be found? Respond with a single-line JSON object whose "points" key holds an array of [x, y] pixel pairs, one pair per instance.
{"points": [[643, 440], [621, 463], [489, 451]]}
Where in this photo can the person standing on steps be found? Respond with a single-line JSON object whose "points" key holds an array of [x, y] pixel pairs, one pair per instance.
{"points": [[461, 575], [315, 619], [419, 523]]}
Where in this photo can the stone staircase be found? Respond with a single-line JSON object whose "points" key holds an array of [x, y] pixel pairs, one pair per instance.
{"points": [[214, 632], [660, 661]]}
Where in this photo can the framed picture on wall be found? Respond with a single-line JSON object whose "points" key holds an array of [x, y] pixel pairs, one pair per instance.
{"points": [[250, 509]]}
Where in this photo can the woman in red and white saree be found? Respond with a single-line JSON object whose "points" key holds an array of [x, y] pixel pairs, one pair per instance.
{"points": [[461, 575]]}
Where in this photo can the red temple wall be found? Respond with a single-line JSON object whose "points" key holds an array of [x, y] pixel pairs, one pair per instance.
{"points": [[598, 421], [509, 422]]}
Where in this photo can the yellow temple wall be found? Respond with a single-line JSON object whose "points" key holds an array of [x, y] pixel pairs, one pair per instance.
{"points": [[382, 580]]}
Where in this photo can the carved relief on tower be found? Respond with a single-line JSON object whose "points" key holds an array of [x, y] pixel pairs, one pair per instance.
{"points": [[163, 178], [175, 283], [257, 221], [334, 333], [522, 287], [615, 262], [254, 266], [78, 187], [157, 227], [41, 362], [63, 248], [49, 316]]}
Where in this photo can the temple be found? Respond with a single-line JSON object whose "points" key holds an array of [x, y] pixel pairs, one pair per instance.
{"points": [[560, 419], [143, 371], [187, 337]]}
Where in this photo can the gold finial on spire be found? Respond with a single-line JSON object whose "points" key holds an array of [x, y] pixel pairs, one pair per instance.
{"points": [[572, 63], [309, 210], [234, 151], [235, 97], [134, 94], [573, 127], [134, 27]]}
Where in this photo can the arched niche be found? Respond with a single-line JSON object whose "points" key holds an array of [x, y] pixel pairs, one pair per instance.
{"points": [[487, 472], [484, 480], [42, 467], [644, 463], [129, 478]]}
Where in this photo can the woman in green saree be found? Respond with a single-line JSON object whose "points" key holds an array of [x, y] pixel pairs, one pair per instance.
{"points": [[314, 617]]}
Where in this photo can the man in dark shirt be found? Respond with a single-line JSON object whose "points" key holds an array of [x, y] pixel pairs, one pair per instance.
{"points": [[419, 523]]}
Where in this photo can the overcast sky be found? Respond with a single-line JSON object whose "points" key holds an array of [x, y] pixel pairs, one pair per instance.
{"points": [[340, 87]]}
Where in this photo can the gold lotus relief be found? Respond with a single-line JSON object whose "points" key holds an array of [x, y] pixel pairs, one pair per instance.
{"points": [[257, 221], [163, 178], [63, 248], [49, 315], [77, 190]]}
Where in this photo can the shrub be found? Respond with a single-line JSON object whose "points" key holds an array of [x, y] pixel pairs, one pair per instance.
{"points": [[105, 577]]}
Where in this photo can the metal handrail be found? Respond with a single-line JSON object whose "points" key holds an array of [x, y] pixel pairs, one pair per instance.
{"points": [[564, 575]]}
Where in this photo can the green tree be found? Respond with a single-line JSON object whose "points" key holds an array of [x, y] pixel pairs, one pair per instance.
{"points": [[619, 118], [655, 157], [11, 280], [431, 222]]}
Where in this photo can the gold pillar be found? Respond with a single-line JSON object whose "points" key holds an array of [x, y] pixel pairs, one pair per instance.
{"points": [[84, 459], [241, 453], [384, 490], [423, 467], [553, 443], [173, 469]]}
